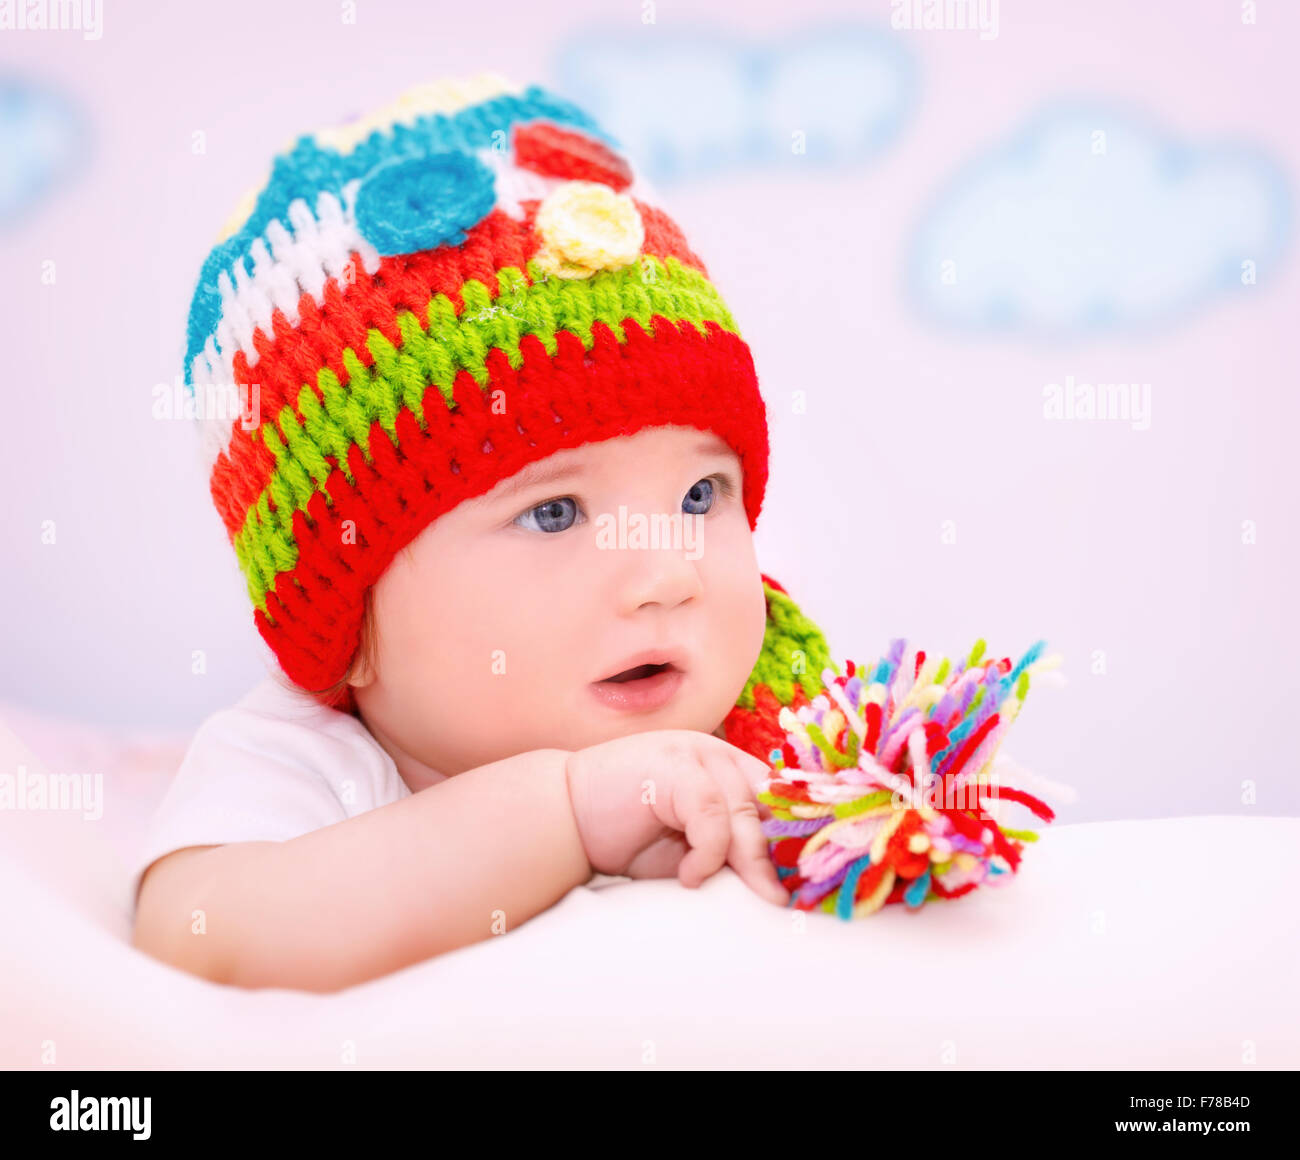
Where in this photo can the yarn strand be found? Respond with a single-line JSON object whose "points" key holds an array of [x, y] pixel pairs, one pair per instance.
{"points": [[881, 792]]}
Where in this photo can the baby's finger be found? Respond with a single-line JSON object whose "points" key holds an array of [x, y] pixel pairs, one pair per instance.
{"points": [[748, 854], [756, 770], [757, 773], [702, 811]]}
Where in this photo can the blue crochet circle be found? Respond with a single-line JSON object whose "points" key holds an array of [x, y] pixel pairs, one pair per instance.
{"points": [[418, 203]]}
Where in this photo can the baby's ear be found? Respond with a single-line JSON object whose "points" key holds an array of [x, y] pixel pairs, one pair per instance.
{"points": [[361, 671]]}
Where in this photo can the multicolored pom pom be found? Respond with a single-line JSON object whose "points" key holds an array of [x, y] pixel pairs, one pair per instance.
{"points": [[882, 788]]}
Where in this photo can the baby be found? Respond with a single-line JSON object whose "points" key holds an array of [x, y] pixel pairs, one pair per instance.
{"points": [[493, 481]]}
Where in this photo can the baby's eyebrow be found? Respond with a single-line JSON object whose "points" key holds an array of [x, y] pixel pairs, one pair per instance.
{"points": [[536, 474]]}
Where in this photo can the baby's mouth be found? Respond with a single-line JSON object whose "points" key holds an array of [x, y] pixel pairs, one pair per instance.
{"points": [[636, 674], [643, 688]]}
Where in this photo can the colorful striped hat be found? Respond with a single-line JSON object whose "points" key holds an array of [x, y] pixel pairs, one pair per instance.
{"points": [[413, 306]]}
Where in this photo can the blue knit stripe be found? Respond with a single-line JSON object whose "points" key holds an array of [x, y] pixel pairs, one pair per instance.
{"points": [[307, 170]]}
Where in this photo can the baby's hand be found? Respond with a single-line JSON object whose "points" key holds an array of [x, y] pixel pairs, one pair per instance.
{"points": [[672, 801]]}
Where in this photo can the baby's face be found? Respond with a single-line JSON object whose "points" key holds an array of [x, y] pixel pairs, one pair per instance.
{"points": [[496, 628]]}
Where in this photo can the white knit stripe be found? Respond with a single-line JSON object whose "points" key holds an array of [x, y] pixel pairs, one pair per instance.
{"points": [[274, 276], [207, 372], [515, 184], [285, 265], [214, 433]]}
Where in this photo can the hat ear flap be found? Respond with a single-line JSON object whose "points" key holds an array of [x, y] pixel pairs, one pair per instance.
{"points": [[408, 204], [787, 674]]}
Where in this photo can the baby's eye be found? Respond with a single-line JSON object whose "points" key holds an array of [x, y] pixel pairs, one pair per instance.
{"points": [[558, 515], [555, 515], [703, 493]]}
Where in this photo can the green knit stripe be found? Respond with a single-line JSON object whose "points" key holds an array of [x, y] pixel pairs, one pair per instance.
{"points": [[433, 353], [794, 650]]}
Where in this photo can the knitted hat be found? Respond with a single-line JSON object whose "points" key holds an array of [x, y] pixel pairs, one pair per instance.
{"points": [[414, 306]]}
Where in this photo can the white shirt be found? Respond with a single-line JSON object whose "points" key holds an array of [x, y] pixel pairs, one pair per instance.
{"points": [[273, 766]]}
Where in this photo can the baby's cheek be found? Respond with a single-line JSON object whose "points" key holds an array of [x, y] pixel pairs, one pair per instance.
{"points": [[749, 626], [511, 697]]}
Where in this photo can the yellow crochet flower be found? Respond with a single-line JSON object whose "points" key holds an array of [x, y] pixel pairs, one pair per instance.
{"points": [[585, 226]]}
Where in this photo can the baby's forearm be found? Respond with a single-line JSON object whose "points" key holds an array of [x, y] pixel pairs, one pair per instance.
{"points": [[475, 855]]}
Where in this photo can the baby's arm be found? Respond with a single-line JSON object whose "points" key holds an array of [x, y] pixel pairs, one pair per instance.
{"points": [[390, 887]]}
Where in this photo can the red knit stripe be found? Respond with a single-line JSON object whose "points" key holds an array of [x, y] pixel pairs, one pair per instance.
{"points": [[235, 491], [664, 238], [757, 731], [567, 153], [290, 357], [673, 376]]}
